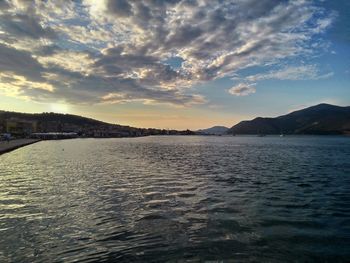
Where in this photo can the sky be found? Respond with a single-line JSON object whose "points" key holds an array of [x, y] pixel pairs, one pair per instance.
{"points": [[182, 64]]}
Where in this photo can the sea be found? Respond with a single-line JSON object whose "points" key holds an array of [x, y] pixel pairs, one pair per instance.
{"points": [[177, 199]]}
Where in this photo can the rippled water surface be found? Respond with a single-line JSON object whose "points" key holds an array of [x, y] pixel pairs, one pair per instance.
{"points": [[180, 198]]}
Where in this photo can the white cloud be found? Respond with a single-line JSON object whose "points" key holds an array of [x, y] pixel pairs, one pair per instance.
{"points": [[303, 72], [242, 89], [88, 50]]}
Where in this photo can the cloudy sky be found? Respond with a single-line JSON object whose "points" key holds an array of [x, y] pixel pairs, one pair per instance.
{"points": [[173, 63]]}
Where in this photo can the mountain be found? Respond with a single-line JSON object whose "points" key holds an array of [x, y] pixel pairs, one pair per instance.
{"points": [[319, 119], [26, 123], [216, 130]]}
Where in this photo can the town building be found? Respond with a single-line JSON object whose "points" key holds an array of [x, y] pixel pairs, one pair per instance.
{"points": [[18, 127]]}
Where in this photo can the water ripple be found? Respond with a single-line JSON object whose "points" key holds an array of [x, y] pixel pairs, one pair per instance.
{"points": [[155, 199]]}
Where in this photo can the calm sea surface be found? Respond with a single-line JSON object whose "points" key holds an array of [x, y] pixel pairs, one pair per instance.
{"points": [[179, 198]]}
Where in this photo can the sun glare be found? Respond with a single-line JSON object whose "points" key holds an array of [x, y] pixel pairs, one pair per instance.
{"points": [[59, 108]]}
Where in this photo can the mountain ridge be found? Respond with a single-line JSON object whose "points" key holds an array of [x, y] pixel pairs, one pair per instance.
{"points": [[59, 122], [318, 119], [215, 130]]}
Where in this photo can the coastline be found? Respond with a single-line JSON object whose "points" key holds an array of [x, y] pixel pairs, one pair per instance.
{"points": [[15, 144]]}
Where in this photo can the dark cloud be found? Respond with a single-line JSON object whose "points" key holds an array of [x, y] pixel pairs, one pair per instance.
{"points": [[4, 5], [47, 50], [113, 60], [129, 42], [87, 90], [22, 25], [119, 7], [183, 36], [20, 63]]}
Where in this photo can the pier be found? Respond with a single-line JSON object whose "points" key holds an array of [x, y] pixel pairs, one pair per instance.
{"points": [[15, 144]]}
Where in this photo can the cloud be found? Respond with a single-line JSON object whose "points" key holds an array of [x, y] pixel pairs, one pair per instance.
{"points": [[20, 63], [242, 89], [23, 25], [115, 51], [119, 7], [152, 97], [4, 5], [303, 72]]}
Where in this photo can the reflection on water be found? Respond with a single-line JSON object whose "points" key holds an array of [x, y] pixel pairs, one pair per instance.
{"points": [[177, 198]]}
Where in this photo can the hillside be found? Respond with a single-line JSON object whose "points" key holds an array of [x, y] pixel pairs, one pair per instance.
{"points": [[319, 119], [216, 130], [56, 122]]}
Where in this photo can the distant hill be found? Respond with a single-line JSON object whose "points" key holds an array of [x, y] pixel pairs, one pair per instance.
{"points": [[51, 117], [56, 122], [216, 130], [319, 119]]}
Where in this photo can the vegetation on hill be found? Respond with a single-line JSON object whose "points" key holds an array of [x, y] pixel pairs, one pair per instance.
{"points": [[56, 122], [319, 119], [216, 130]]}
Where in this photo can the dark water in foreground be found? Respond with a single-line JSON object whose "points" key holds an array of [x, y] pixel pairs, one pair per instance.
{"points": [[236, 199]]}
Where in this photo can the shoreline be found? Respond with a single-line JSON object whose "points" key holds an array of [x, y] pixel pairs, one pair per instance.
{"points": [[18, 143], [15, 144]]}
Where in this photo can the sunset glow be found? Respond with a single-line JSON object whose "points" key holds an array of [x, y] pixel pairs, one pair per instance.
{"points": [[205, 62]]}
